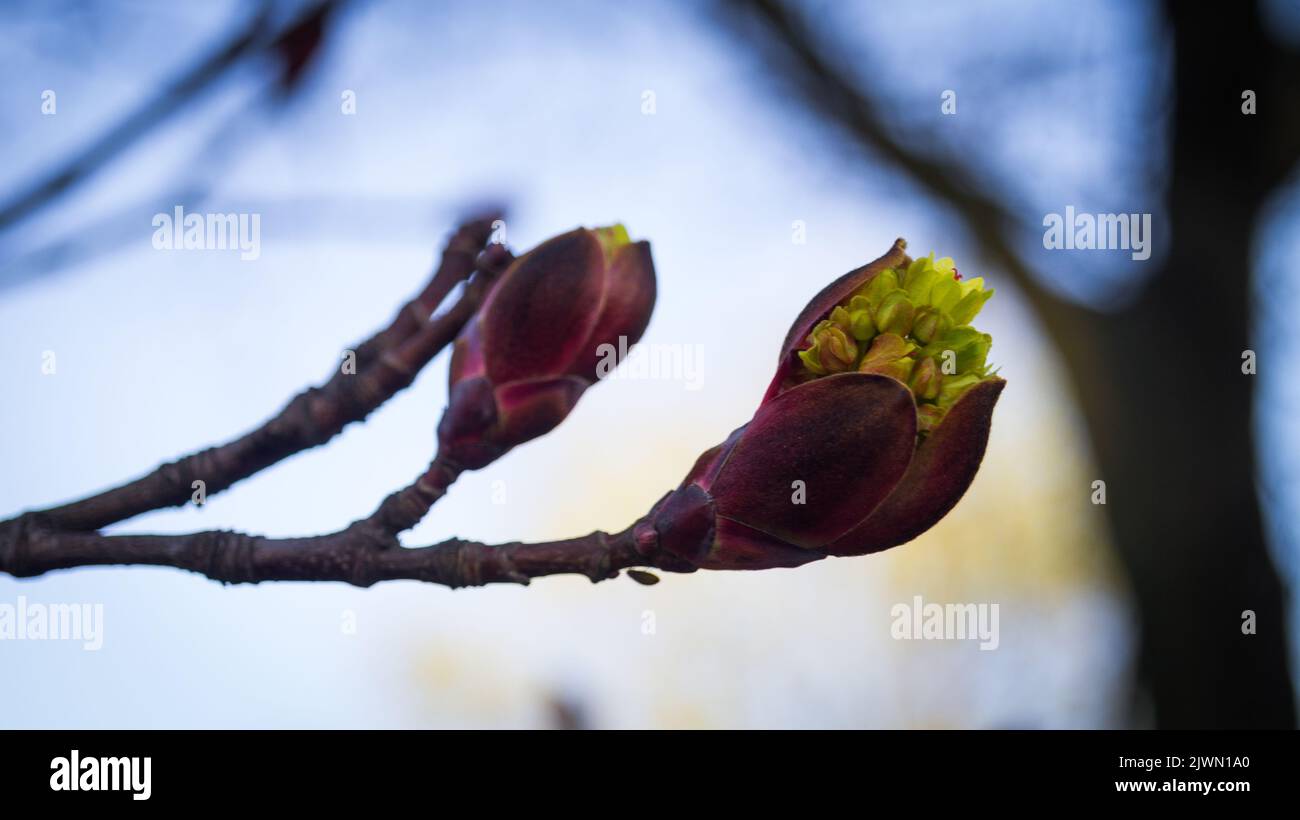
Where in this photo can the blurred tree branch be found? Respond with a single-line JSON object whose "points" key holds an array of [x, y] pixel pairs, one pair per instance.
{"points": [[1172, 426], [831, 94], [293, 46]]}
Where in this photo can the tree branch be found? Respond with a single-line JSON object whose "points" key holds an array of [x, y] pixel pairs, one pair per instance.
{"points": [[368, 550], [826, 89], [407, 507], [386, 363], [358, 555]]}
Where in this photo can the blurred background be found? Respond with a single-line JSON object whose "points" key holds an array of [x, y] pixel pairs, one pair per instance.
{"points": [[764, 149]]}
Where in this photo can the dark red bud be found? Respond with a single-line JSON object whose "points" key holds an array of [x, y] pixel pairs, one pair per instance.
{"points": [[944, 466], [846, 439], [531, 350], [810, 466]]}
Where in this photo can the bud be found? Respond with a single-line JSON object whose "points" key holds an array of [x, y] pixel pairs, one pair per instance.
{"points": [[895, 313], [886, 281], [861, 325], [925, 380], [832, 348], [521, 364], [888, 356], [882, 455], [930, 323]]}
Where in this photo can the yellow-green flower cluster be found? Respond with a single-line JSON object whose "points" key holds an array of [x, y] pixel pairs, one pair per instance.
{"points": [[913, 326]]}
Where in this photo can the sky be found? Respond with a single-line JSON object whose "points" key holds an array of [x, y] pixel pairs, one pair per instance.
{"points": [[160, 353]]}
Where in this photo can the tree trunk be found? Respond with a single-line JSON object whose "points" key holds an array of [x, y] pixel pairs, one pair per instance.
{"points": [[1170, 410]]}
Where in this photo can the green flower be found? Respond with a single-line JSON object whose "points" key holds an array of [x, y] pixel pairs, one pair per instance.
{"points": [[912, 323]]}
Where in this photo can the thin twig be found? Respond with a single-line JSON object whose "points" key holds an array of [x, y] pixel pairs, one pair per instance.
{"points": [[386, 363], [405, 508]]}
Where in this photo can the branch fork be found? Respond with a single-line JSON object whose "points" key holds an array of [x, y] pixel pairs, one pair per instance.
{"points": [[368, 550]]}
